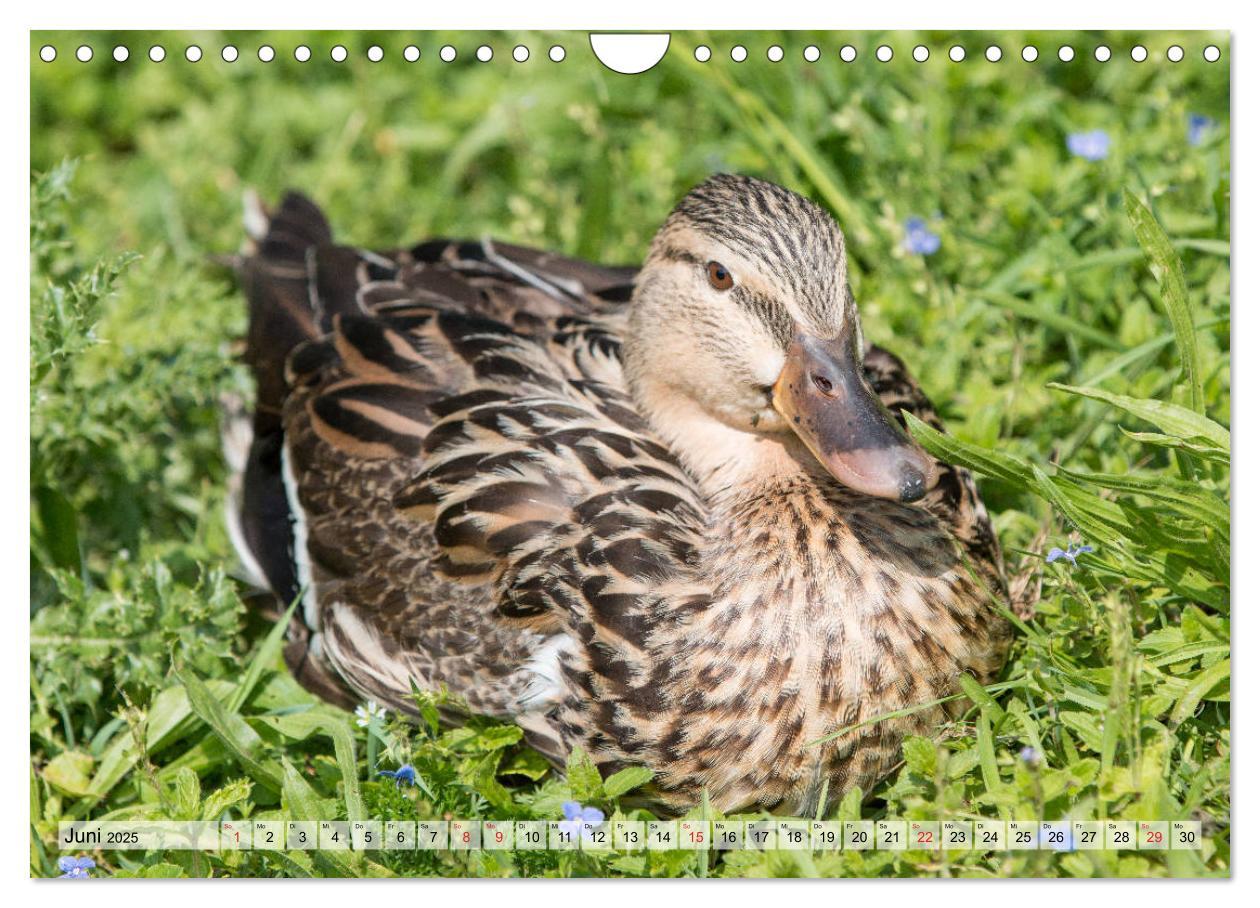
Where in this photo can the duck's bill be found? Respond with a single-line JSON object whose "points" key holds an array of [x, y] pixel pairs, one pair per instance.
{"points": [[824, 398]]}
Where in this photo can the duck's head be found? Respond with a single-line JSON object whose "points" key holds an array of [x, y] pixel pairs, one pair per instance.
{"points": [[743, 314]]}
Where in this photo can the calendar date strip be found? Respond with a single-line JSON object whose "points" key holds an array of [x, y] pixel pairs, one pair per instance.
{"points": [[634, 835]]}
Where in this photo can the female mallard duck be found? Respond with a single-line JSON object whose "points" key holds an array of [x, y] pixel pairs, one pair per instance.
{"points": [[665, 516]]}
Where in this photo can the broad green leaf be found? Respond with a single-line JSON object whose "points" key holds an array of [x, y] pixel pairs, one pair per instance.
{"points": [[160, 871], [231, 729], [1186, 498], [223, 799], [525, 762], [625, 780], [70, 772], [300, 800], [850, 806], [297, 863], [1087, 727], [1172, 290], [59, 525], [325, 722], [479, 774], [1199, 690], [585, 782], [186, 792], [1171, 418], [920, 754], [1193, 447], [301, 803]]}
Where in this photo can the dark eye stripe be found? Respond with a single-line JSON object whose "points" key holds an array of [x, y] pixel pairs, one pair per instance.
{"points": [[675, 254], [768, 311]]}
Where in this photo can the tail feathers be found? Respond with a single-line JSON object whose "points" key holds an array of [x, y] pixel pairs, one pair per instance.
{"points": [[276, 282], [293, 227], [274, 276]]}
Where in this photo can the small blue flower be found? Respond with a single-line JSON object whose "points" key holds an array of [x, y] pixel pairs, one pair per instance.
{"points": [[575, 815], [1092, 145], [1057, 554], [919, 240], [75, 868], [1030, 756], [1197, 128], [405, 773]]}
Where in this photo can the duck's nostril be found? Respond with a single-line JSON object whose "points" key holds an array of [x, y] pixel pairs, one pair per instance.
{"points": [[913, 486], [822, 383]]}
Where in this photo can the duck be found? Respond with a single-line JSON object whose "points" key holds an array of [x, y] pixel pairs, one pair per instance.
{"points": [[667, 514]]}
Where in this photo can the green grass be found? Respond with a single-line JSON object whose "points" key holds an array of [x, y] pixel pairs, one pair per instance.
{"points": [[1073, 330]]}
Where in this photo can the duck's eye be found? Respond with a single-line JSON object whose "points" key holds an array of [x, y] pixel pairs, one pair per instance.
{"points": [[719, 277]]}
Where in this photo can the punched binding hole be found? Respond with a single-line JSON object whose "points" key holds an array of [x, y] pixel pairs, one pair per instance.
{"points": [[411, 53], [48, 53], [1138, 53], [375, 53], [958, 53], [848, 53], [301, 53], [1029, 54]]}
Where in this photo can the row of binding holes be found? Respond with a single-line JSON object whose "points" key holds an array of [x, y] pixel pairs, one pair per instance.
{"points": [[556, 53], [1175, 53], [302, 53]]}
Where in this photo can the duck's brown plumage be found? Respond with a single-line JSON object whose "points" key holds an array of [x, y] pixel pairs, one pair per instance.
{"points": [[445, 455]]}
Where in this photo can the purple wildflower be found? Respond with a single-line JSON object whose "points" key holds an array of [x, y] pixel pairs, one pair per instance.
{"points": [[1030, 756], [1197, 128], [1057, 554], [575, 816], [405, 773], [75, 868], [919, 239], [1092, 145]]}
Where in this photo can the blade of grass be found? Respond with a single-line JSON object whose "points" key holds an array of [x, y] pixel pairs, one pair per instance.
{"points": [[1052, 319], [1172, 291], [230, 728], [1170, 418], [268, 652]]}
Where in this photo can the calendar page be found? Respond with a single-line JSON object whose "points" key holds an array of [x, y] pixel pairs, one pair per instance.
{"points": [[676, 454]]}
